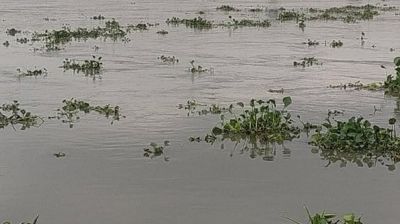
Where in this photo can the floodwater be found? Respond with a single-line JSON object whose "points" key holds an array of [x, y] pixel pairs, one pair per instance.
{"points": [[104, 177]]}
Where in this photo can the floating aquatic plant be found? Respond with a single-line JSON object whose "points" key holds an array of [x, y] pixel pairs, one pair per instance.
{"points": [[359, 86], [246, 23], [162, 32], [156, 150], [13, 31], [35, 72], [34, 221], [336, 44], [53, 39], [193, 107], [307, 62], [90, 67], [168, 59], [310, 42], [328, 218], [196, 23], [99, 17], [12, 114], [227, 8], [6, 43], [392, 83], [261, 119], [70, 112], [357, 141], [197, 69]]}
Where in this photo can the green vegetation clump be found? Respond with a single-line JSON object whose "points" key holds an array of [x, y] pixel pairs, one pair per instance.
{"points": [[34, 221], [193, 107], [168, 59], [307, 62], [357, 141], [310, 42], [12, 31], [6, 43], [328, 218], [290, 15], [12, 114], [356, 134], [197, 69], [262, 120], [53, 39], [392, 84], [162, 32], [99, 17], [348, 14], [227, 8], [70, 112], [248, 23], [336, 44], [23, 40], [196, 23], [30, 73], [375, 86], [140, 26], [88, 67], [156, 150]]}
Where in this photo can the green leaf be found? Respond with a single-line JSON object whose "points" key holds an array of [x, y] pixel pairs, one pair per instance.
{"points": [[287, 101], [217, 131], [397, 61]]}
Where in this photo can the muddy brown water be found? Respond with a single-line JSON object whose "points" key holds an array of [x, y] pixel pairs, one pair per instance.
{"points": [[105, 179]]}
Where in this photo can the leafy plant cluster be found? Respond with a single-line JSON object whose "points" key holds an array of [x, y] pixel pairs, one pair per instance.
{"points": [[336, 44], [30, 73], [196, 23], [197, 69], [307, 62], [392, 83], [328, 218], [70, 112], [168, 59], [227, 8], [156, 150], [88, 67], [261, 119], [193, 107], [348, 13], [12, 114], [55, 38]]}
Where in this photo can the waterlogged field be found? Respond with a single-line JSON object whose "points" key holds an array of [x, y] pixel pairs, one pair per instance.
{"points": [[199, 111]]}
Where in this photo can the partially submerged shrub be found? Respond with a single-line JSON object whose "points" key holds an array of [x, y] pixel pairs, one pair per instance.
{"points": [[12, 114], [162, 32], [310, 42]]}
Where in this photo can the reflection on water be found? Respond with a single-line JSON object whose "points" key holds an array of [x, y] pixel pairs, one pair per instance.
{"points": [[361, 159]]}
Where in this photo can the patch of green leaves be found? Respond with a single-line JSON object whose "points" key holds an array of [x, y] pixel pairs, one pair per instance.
{"points": [[12, 114]]}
